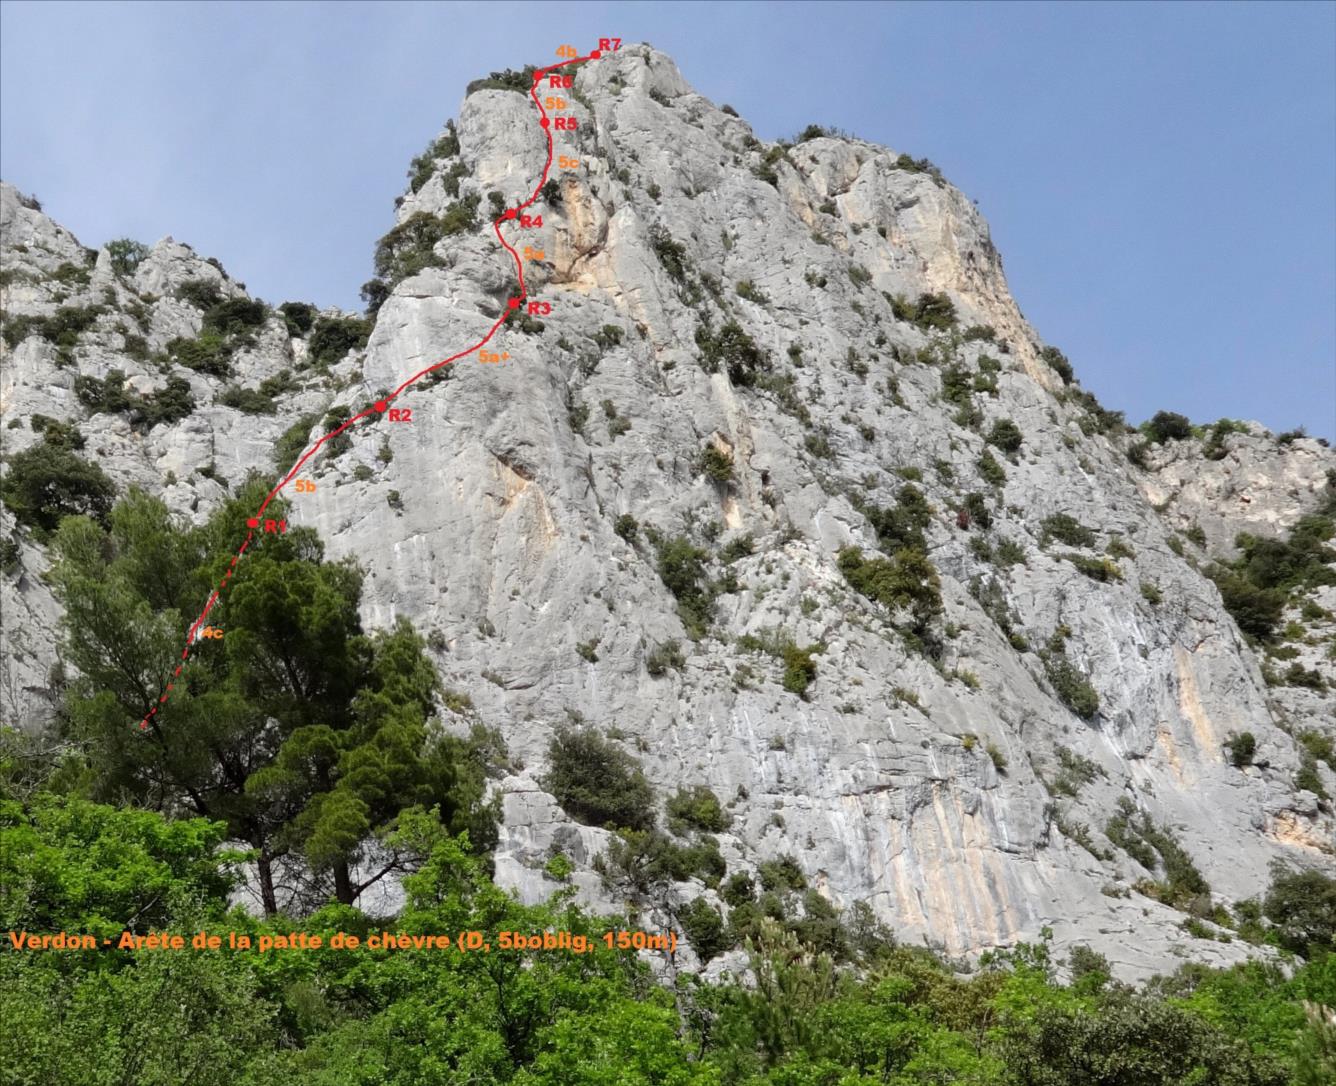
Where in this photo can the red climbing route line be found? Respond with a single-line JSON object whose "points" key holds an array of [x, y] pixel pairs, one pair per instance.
{"points": [[381, 405]]}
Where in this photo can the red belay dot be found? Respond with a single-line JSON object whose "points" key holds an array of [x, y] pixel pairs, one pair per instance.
{"points": [[510, 213], [514, 303], [381, 405], [545, 122], [254, 522], [595, 55]]}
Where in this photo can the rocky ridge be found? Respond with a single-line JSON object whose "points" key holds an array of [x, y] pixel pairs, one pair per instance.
{"points": [[747, 351]]}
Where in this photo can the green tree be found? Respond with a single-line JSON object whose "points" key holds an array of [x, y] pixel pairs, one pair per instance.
{"points": [[598, 783], [126, 255], [48, 481], [1302, 905], [299, 731]]}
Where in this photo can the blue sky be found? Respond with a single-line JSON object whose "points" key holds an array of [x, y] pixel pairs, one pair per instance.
{"points": [[1160, 178]]}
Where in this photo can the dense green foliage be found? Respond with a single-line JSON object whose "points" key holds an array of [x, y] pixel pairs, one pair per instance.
{"points": [[1058, 362], [906, 584], [126, 255], [422, 167], [1256, 587], [50, 480], [302, 734], [1069, 684], [930, 312], [598, 783], [834, 1000], [62, 328], [1167, 426], [508, 79], [110, 395], [681, 566], [333, 337], [732, 350]]}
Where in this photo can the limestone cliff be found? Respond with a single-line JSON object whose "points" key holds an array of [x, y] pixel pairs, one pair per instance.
{"points": [[783, 306]]}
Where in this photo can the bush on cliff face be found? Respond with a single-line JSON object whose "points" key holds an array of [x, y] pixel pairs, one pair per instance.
{"points": [[906, 584], [1256, 586], [49, 481], [333, 337], [930, 312], [598, 783], [126, 255], [1167, 426]]}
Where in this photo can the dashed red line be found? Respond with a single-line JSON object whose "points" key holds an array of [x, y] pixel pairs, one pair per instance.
{"points": [[382, 405]]}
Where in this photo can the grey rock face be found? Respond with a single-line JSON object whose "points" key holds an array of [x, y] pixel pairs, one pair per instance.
{"points": [[493, 521]]}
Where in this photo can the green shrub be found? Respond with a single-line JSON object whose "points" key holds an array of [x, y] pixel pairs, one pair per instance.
{"points": [[1057, 361], [597, 783], [681, 567], [976, 508], [732, 349], [126, 255], [698, 808], [249, 401], [375, 292], [423, 166], [665, 656], [799, 668], [716, 464], [748, 290], [738, 547], [931, 311], [1065, 528], [72, 274], [559, 867], [704, 929], [60, 435], [906, 581], [609, 336], [62, 328], [1167, 426], [672, 255], [991, 471], [1298, 675], [627, 527], [293, 443], [298, 317], [957, 386], [901, 525], [1151, 593], [1006, 435], [410, 246], [1071, 687], [1318, 746], [333, 337], [1308, 779], [1256, 610], [48, 481], [1302, 905], [1097, 569], [1241, 749], [208, 354], [509, 80], [917, 165], [782, 874], [234, 317], [1213, 448], [201, 293]]}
